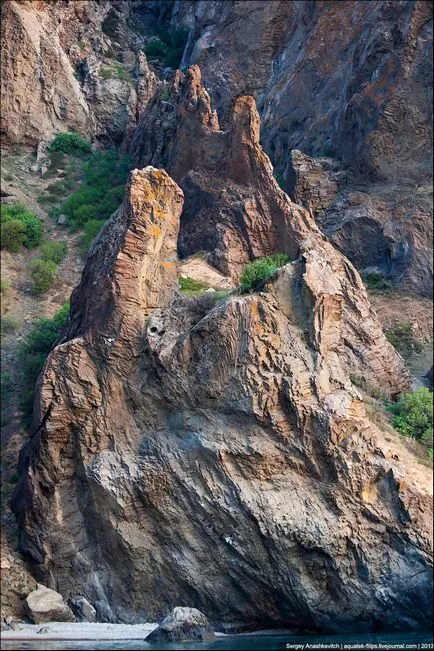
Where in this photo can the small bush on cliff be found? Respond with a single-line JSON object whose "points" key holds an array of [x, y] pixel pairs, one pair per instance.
{"points": [[5, 285], [168, 47], [34, 352], [376, 283], [71, 143], [401, 338], [42, 273], [190, 286], [53, 251], [255, 273], [19, 227], [413, 415], [90, 231]]}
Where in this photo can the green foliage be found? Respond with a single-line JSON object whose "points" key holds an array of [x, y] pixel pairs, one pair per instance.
{"points": [[90, 231], [116, 72], [42, 274], [34, 352], [401, 338], [70, 142], [9, 323], [190, 286], [53, 251], [12, 236], [168, 48], [19, 226], [413, 415], [101, 190], [376, 283], [430, 454], [6, 387], [360, 382], [280, 180], [5, 284], [255, 273]]}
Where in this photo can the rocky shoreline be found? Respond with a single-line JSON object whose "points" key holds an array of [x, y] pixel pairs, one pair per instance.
{"points": [[78, 631]]}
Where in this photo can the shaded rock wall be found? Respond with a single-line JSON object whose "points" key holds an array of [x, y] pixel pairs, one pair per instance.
{"points": [[349, 79]]}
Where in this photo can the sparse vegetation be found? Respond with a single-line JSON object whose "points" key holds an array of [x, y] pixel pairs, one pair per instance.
{"points": [[42, 273], [6, 387], [280, 180], [5, 285], [401, 338], [376, 283], [70, 142], [90, 231], [19, 227], [53, 251], [256, 272], [116, 72], [34, 352], [9, 323], [168, 47], [360, 382], [190, 286], [413, 415]]}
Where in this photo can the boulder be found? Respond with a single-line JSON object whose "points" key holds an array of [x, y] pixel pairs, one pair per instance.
{"points": [[183, 625], [82, 609], [45, 605]]}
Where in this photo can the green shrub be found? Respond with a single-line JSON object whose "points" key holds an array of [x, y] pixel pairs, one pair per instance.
{"points": [[190, 286], [9, 323], [101, 190], [413, 415], [378, 284], [70, 143], [53, 251], [6, 387], [12, 235], [401, 338], [90, 231], [168, 47], [34, 352], [29, 233], [42, 274], [155, 49], [280, 180], [255, 273], [5, 285]]}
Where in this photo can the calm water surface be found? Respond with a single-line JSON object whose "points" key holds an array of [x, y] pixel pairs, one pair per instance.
{"points": [[248, 643]]}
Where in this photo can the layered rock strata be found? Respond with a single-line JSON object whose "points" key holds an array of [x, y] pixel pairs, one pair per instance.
{"points": [[167, 427]]}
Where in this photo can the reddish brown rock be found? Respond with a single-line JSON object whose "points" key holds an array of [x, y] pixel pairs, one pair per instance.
{"points": [[167, 425]]}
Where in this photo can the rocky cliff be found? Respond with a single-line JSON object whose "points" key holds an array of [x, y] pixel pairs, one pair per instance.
{"points": [[351, 81], [215, 452], [169, 426]]}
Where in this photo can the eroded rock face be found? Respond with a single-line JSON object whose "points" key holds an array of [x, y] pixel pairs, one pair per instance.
{"points": [[343, 77], [233, 209], [59, 71], [163, 433], [388, 230]]}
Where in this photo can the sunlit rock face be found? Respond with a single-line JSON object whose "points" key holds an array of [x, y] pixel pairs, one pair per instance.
{"points": [[217, 454]]}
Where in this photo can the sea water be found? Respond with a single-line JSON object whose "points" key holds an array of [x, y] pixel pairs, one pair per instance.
{"points": [[385, 642]]}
